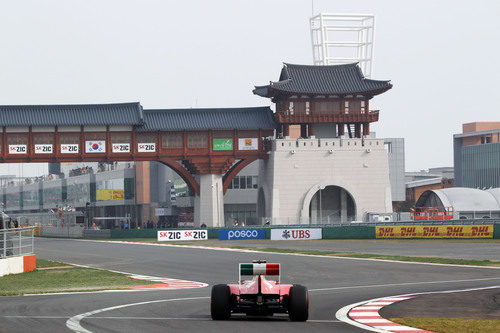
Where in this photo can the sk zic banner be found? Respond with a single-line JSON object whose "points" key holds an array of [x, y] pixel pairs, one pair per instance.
{"points": [[173, 235], [436, 231]]}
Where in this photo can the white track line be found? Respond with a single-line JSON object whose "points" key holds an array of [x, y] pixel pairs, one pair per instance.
{"points": [[73, 323], [402, 284], [287, 254], [343, 313]]}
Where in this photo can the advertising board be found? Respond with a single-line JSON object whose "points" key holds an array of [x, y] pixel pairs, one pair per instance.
{"points": [[233, 234], [43, 149], [163, 211], [436, 231], [106, 195], [18, 149], [146, 147], [178, 235], [69, 148], [120, 148], [248, 144], [223, 144], [296, 234]]}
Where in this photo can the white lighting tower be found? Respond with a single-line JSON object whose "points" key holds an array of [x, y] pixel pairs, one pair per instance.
{"points": [[343, 38]]}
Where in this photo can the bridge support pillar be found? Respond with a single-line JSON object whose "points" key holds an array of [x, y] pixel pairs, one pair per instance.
{"points": [[209, 205]]}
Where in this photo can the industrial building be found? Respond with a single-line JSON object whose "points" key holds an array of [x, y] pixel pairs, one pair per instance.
{"points": [[476, 154], [463, 202]]}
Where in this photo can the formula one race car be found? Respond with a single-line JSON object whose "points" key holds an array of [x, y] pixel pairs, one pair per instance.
{"points": [[259, 296]]}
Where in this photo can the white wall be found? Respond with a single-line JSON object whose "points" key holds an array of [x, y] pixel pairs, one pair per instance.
{"points": [[297, 168], [12, 265]]}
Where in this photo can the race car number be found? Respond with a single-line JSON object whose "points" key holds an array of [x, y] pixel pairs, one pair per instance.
{"points": [[178, 235]]}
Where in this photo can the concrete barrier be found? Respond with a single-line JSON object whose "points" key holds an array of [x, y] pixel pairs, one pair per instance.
{"points": [[16, 265], [66, 232], [90, 233]]}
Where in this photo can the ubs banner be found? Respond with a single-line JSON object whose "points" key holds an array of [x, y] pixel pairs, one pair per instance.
{"points": [[436, 231], [296, 234]]}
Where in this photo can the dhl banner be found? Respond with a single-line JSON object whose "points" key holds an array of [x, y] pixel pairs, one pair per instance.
{"points": [[436, 231], [105, 195]]}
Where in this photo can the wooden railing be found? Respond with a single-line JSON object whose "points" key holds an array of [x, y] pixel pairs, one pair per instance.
{"points": [[369, 117]]}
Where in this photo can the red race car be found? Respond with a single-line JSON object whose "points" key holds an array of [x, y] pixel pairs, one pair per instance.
{"points": [[259, 296]]}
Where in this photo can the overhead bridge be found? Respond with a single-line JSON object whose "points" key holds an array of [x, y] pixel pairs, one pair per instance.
{"points": [[206, 147]]}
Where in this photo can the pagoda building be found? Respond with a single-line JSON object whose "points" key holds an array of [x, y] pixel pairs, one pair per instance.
{"points": [[324, 98], [323, 165]]}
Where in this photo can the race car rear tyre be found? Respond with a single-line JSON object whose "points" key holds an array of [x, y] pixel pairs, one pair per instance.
{"points": [[220, 302], [298, 303]]}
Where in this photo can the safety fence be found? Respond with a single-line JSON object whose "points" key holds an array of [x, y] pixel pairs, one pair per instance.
{"points": [[16, 242]]}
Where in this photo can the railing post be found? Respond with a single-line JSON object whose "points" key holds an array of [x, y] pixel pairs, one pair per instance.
{"points": [[20, 243], [4, 244], [33, 240]]}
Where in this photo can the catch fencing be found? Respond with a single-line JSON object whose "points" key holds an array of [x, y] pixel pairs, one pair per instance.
{"points": [[16, 242]]}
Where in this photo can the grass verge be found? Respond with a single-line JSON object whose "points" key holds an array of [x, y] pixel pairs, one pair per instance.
{"points": [[451, 325], [436, 260], [63, 279]]}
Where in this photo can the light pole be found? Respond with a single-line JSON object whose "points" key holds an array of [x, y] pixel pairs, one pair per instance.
{"points": [[321, 187], [218, 209]]}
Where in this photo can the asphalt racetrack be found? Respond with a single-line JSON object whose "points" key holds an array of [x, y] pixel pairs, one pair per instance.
{"points": [[333, 284]]}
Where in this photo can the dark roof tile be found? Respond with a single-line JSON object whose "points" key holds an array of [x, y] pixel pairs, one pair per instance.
{"points": [[71, 115], [328, 80], [204, 119]]}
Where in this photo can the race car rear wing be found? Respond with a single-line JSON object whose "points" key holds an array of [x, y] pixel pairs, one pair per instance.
{"points": [[259, 269]]}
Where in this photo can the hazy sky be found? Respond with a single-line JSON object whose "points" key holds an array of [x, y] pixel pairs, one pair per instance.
{"points": [[442, 57]]}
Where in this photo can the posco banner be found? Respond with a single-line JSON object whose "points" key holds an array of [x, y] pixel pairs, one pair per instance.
{"points": [[436, 231], [174, 235], [296, 234], [242, 234]]}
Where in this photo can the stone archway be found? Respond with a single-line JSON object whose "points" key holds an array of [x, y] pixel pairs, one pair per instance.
{"points": [[349, 190], [332, 204]]}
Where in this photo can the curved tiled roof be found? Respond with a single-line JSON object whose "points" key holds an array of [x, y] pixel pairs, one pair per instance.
{"points": [[203, 119], [328, 80], [71, 115], [133, 114]]}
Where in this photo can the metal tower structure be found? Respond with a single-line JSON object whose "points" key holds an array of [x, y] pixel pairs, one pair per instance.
{"points": [[343, 38]]}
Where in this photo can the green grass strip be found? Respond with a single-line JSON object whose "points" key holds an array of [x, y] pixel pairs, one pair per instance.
{"points": [[42, 263], [64, 280], [451, 325]]}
